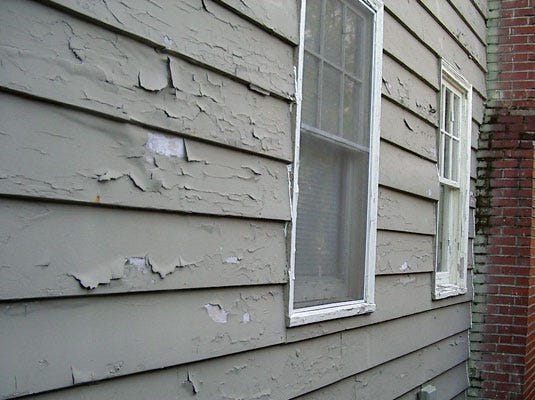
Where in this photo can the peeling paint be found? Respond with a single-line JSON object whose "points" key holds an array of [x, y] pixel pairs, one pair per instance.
{"points": [[231, 260], [246, 318], [79, 376], [103, 274], [152, 82], [404, 266], [217, 313], [189, 382], [165, 145], [140, 263]]}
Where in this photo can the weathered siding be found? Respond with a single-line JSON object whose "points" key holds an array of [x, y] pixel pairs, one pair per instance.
{"points": [[144, 205]]}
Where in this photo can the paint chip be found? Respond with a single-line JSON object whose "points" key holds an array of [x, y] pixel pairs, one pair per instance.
{"points": [[140, 263], [217, 313], [404, 266], [79, 376], [166, 145], [152, 82], [231, 260], [246, 318]]}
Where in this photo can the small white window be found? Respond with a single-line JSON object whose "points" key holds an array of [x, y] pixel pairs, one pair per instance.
{"points": [[336, 160], [454, 176]]}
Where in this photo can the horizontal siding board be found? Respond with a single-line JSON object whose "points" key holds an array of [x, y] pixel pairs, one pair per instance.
{"points": [[406, 130], [475, 135], [482, 6], [392, 379], [478, 108], [51, 250], [54, 56], [473, 17], [428, 30], [407, 172], [405, 213], [226, 42], [401, 86], [58, 343], [61, 154], [473, 163], [275, 16], [450, 385], [403, 46], [396, 296], [454, 24], [404, 253], [286, 371]]}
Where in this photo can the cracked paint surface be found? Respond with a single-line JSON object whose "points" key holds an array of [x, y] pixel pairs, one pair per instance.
{"points": [[60, 250], [49, 54], [85, 158]]}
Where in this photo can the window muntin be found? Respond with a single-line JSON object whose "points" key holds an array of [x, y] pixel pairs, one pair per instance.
{"points": [[454, 177], [333, 237]]}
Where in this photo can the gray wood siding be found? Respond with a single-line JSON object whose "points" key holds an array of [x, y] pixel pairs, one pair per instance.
{"points": [[48, 248], [391, 379], [79, 157], [226, 42], [145, 169], [127, 80], [283, 372]]}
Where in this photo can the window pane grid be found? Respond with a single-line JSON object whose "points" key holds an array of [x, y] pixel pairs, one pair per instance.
{"points": [[334, 66], [340, 30], [453, 164], [334, 154]]}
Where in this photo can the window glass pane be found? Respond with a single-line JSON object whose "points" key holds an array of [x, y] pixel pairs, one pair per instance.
{"points": [[449, 220], [455, 160], [456, 116], [333, 32], [447, 111], [331, 223], [352, 31], [330, 100], [447, 157], [350, 109], [309, 108], [313, 25]]}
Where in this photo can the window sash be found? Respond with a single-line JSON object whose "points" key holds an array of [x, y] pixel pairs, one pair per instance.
{"points": [[453, 206], [323, 312]]}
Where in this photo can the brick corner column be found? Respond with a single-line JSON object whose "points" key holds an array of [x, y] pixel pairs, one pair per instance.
{"points": [[502, 363]]}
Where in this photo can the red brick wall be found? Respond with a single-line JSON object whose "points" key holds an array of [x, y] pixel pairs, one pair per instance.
{"points": [[503, 333]]}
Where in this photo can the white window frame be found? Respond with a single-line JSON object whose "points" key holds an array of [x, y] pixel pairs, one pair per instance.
{"points": [[453, 281], [307, 315]]}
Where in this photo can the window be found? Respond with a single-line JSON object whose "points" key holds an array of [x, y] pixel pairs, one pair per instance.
{"points": [[336, 160], [454, 176]]}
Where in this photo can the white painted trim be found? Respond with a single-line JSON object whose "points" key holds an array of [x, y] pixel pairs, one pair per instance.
{"points": [[325, 312], [454, 282], [295, 191]]}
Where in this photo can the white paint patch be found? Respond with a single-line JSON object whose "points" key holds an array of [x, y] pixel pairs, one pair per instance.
{"points": [[167, 40], [246, 318], [405, 280], [140, 263], [232, 260], [404, 266], [166, 145], [217, 313]]}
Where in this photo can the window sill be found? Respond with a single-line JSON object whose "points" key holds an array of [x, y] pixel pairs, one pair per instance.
{"points": [[448, 290], [310, 315]]}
